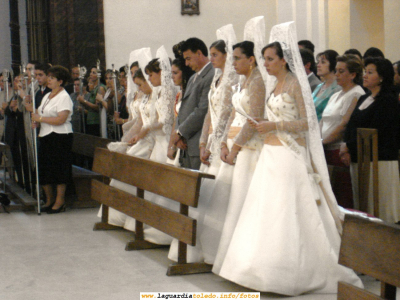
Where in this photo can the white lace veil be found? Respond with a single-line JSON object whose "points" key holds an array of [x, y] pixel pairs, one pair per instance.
{"points": [[143, 56], [285, 34], [132, 87], [166, 105], [254, 31], [220, 112], [227, 34]]}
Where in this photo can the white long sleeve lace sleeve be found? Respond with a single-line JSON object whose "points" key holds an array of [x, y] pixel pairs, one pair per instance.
{"points": [[293, 90], [256, 96]]}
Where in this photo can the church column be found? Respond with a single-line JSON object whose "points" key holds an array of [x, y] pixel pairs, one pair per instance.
{"points": [[391, 29]]}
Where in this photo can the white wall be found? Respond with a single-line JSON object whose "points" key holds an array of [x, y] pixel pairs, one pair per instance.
{"points": [[5, 45], [151, 23]]}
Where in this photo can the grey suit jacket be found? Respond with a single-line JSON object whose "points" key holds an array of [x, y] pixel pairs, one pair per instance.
{"points": [[314, 81], [194, 109]]}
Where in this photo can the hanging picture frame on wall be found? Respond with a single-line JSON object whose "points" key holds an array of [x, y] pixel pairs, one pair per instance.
{"points": [[190, 7]]}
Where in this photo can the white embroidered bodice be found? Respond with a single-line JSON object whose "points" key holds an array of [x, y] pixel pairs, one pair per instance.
{"points": [[285, 108]]}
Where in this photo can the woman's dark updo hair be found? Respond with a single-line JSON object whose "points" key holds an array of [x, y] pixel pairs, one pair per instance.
{"points": [[60, 73], [354, 65], [330, 55], [153, 66], [219, 45], [278, 50], [247, 48], [139, 74], [179, 62], [385, 71]]}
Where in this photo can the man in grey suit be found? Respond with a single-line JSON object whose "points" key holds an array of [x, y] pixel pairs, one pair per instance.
{"points": [[309, 65], [194, 103]]}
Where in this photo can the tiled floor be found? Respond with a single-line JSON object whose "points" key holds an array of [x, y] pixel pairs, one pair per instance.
{"points": [[54, 257]]}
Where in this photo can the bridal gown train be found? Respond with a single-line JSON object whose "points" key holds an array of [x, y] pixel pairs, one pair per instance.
{"points": [[285, 241]]}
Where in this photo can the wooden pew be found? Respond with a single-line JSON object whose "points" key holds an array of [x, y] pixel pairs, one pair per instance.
{"points": [[178, 184], [373, 249], [85, 144], [367, 141]]}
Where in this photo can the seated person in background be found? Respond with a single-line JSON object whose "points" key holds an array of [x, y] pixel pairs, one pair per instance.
{"points": [[309, 65], [326, 70], [379, 109], [349, 72]]}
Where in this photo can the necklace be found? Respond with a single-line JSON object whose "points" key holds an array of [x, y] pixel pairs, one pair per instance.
{"points": [[49, 98]]}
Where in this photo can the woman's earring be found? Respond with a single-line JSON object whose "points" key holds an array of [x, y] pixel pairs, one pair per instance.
{"points": [[251, 67]]}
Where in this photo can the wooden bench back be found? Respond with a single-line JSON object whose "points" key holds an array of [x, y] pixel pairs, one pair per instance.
{"points": [[370, 248], [367, 140], [181, 185], [85, 144]]}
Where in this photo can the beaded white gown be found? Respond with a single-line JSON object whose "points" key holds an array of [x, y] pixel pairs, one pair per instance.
{"points": [[284, 241]]}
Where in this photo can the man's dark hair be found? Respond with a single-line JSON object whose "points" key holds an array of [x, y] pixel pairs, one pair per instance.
{"points": [[307, 44], [194, 44], [42, 67], [308, 57], [373, 52]]}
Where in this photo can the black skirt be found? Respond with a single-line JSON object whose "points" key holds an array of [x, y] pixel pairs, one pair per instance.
{"points": [[55, 158]]}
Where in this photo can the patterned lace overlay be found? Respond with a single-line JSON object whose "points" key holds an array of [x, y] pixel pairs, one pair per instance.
{"points": [[251, 97], [286, 35], [220, 97], [166, 100]]}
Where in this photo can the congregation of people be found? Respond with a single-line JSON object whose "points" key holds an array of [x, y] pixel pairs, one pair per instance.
{"points": [[265, 118]]}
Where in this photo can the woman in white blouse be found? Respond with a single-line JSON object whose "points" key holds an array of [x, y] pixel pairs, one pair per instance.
{"points": [[335, 117], [55, 147]]}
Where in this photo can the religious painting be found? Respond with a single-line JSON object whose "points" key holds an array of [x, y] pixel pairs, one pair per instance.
{"points": [[190, 7]]}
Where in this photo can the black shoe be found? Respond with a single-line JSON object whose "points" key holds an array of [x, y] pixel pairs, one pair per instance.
{"points": [[57, 211], [46, 208]]}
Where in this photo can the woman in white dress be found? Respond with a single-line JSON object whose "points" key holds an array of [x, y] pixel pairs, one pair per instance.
{"points": [[214, 194], [242, 144], [159, 72], [334, 120], [157, 124], [287, 237], [143, 143]]}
